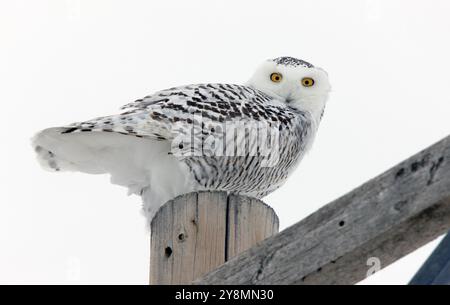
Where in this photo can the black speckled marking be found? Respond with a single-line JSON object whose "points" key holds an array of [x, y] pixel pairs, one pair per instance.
{"points": [[69, 130], [292, 62]]}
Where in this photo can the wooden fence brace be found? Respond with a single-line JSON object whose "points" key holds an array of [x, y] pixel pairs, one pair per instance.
{"points": [[197, 232], [381, 221]]}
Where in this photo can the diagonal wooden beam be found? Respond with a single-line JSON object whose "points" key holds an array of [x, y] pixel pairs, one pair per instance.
{"points": [[379, 222]]}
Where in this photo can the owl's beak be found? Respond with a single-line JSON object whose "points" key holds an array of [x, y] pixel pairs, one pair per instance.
{"points": [[289, 98]]}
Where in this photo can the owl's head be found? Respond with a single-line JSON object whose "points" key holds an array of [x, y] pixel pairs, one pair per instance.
{"points": [[295, 82]]}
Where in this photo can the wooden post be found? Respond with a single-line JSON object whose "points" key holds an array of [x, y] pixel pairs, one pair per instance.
{"points": [[193, 234]]}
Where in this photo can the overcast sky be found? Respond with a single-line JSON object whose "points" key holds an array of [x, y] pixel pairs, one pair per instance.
{"points": [[65, 61]]}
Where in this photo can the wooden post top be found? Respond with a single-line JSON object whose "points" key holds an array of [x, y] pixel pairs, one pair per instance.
{"points": [[195, 233]]}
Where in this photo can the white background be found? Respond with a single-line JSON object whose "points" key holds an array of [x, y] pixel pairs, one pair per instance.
{"points": [[65, 61]]}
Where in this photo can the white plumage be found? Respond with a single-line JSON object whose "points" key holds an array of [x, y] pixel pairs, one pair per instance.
{"points": [[240, 139]]}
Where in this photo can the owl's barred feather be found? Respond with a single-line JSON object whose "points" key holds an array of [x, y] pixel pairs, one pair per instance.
{"points": [[236, 138]]}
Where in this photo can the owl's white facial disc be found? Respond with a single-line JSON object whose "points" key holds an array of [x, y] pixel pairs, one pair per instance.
{"points": [[297, 83]]}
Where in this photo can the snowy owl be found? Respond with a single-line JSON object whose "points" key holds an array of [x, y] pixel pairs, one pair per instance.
{"points": [[242, 139]]}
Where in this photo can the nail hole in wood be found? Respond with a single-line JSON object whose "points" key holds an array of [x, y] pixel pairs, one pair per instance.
{"points": [[168, 251]]}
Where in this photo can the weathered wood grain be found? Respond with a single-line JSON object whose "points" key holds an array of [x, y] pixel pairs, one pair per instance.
{"points": [[249, 222], [195, 233], [382, 220]]}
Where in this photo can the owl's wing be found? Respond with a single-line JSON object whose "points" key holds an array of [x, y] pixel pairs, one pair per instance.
{"points": [[106, 144], [160, 115]]}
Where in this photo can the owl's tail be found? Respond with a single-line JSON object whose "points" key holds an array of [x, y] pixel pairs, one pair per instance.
{"points": [[142, 165], [57, 151], [128, 160], [44, 144]]}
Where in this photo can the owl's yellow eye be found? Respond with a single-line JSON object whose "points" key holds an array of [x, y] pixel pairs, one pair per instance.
{"points": [[307, 81], [276, 77]]}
